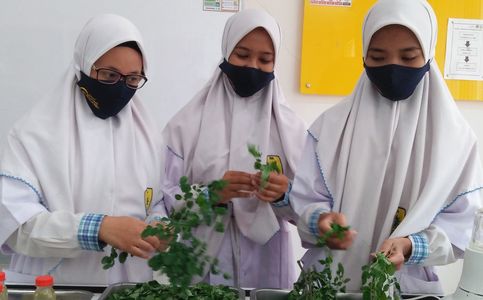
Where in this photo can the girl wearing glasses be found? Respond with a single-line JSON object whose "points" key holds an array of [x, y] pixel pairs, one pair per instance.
{"points": [[81, 171]]}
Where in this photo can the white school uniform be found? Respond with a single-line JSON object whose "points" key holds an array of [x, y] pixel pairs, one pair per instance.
{"points": [[61, 162], [209, 136], [368, 156]]}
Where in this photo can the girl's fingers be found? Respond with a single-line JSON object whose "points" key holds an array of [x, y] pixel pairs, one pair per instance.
{"points": [[241, 187], [240, 194], [145, 246], [153, 241]]}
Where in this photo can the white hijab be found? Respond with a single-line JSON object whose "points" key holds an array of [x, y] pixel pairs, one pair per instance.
{"points": [[376, 154], [75, 161], [211, 133]]}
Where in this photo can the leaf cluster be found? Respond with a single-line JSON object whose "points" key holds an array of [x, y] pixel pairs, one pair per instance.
{"points": [[108, 261], [312, 284], [185, 256], [152, 290], [379, 281], [265, 169]]}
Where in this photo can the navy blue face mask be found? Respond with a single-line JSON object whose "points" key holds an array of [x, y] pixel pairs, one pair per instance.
{"points": [[246, 81], [105, 100], [396, 82]]}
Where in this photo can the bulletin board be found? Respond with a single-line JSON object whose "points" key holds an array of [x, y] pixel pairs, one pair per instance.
{"points": [[331, 60]]}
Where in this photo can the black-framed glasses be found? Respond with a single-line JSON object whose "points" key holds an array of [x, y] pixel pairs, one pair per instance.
{"points": [[109, 76]]}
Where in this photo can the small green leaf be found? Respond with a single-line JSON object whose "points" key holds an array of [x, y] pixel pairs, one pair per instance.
{"points": [[219, 227], [219, 210], [122, 257], [113, 252], [106, 260], [253, 150]]}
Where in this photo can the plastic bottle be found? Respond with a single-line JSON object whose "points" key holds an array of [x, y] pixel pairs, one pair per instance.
{"points": [[3, 293], [3, 287], [44, 290]]}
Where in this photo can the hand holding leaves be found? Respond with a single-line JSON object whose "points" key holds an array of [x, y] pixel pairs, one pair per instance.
{"points": [[124, 233], [397, 250], [265, 169], [275, 187], [334, 231], [238, 185], [378, 279]]}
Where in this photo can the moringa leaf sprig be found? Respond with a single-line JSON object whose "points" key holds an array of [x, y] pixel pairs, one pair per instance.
{"points": [[265, 169], [379, 281], [185, 256], [313, 284]]}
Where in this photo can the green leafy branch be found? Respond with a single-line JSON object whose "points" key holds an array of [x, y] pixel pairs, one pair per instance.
{"points": [[265, 169], [185, 256], [379, 281], [312, 284], [152, 290], [108, 261]]}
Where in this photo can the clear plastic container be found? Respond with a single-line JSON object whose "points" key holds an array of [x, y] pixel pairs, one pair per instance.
{"points": [[3, 287], [44, 290]]}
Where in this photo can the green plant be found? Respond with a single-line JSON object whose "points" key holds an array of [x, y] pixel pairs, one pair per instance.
{"points": [[265, 169], [185, 256], [152, 290], [314, 285], [378, 280]]}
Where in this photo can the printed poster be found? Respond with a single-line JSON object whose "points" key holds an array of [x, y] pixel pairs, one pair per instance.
{"points": [[344, 3], [221, 5], [464, 50]]}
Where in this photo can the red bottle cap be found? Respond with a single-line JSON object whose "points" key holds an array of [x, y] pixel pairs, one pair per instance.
{"points": [[2, 276], [44, 280]]}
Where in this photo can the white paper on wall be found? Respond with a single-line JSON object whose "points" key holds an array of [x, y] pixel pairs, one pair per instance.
{"points": [[464, 50]]}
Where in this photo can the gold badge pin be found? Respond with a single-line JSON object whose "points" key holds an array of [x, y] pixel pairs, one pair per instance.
{"points": [[398, 218], [148, 198], [277, 160]]}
